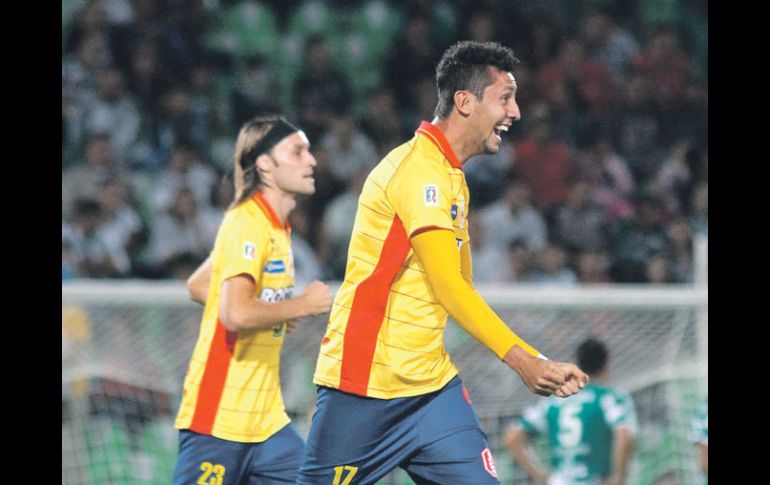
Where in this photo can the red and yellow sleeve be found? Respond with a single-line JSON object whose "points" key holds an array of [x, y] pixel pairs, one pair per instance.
{"points": [[438, 254]]}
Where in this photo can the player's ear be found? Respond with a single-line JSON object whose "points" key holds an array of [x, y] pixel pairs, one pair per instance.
{"points": [[264, 162], [462, 100]]}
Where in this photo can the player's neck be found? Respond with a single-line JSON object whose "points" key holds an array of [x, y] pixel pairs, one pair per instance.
{"points": [[457, 137], [281, 202]]}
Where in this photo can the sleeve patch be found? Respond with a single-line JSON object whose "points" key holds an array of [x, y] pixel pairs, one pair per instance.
{"points": [[431, 195], [249, 250]]}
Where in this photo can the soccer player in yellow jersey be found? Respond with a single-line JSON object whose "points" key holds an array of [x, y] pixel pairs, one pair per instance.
{"points": [[388, 393], [233, 426]]}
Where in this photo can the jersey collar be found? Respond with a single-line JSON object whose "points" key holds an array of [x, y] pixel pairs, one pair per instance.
{"points": [[269, 212], [435, 135]]}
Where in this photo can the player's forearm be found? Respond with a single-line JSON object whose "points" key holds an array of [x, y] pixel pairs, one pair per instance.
{"points": [[703, 449], [437, 251], [622, 448], [198, 282], [522, 453], [260, 315]]}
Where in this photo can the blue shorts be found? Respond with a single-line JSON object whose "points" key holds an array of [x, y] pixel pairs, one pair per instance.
{"points": [[435, 437], [214, 461]]}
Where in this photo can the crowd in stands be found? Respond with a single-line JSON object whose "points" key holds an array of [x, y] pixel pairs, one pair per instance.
{"points": [[604, 180]]}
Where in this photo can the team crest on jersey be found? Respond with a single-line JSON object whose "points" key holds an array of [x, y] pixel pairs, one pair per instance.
{"points": [[453, 211], [431, 195], [489, 462], [249, 250]]}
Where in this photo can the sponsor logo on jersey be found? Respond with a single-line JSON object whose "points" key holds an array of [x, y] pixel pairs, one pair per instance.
{"points": [[431, 195], [273, 295], [453, 211], [489, 462], [459, 243], [249, 249], [275, 266]]}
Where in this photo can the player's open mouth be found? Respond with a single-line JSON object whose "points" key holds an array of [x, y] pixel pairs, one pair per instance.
{"points": [[499, 129]]}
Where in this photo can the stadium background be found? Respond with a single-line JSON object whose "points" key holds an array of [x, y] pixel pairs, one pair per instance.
{"points": [[606, 177]]}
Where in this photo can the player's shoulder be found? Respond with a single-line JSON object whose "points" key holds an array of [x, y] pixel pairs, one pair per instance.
{"points": [[246, 216]]}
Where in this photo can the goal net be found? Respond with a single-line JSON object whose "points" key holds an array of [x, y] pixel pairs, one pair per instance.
{"points": [[126, 346]]}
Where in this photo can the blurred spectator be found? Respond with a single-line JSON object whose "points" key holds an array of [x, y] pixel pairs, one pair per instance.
{"points": [[122, 229], [79, 73], [413, 57], [520, 268], [579, 224], [202, 104], [590, 84], [593, 266], [91, 255], [545, 37], [255, 88], [543, 162], [83, 180], [656, 270], [699, 214], [680, 254], [607, 172], [381, 121], [635, 129], [348, 148], [306, 265], [424, 103], [112, 111], [634, 241], [337, 226], [488, 259], [672, 183], [181, 229], [607, 43], [185, 170], [481, 27], [486, 174], [665, 68], [147, 79], [514, 218], [552, 267], [327, 187], [320, 89], [174, 122]]}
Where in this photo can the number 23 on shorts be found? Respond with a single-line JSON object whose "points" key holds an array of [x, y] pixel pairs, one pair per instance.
{"points": [[339, 470], [212, 474]]}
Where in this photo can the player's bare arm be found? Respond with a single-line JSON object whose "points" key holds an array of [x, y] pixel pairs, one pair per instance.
{"points": [[198, 282], [622, 448], [241, 309], [437, 251], [518, 443]]}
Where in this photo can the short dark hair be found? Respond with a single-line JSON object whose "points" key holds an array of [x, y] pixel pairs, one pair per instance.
{"points": [[465, 65], [592, 356]]}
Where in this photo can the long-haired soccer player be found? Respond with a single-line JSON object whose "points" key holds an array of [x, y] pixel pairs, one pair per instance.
{"points": [[233, 425]]}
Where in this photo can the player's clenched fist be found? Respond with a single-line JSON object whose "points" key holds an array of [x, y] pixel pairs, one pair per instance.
{"points": [[317, 297], [574, 380], [546, 377]]}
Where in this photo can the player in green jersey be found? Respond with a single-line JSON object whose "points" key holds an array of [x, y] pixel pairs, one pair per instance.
{"points": [[589, 435]]}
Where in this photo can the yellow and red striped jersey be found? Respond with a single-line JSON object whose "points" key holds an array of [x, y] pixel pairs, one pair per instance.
{"points": [[385, 333], [232, 389]]}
